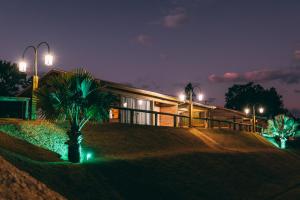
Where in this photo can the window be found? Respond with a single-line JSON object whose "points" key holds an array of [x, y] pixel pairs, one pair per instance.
{"points": [[139, 117]]}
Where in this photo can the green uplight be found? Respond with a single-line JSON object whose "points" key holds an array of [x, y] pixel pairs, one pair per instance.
{"points": [[88, 156]]}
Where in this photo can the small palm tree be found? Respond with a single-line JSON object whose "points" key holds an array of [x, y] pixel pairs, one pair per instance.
{"points": [[76, 97], [282, 127], [189, 88]]}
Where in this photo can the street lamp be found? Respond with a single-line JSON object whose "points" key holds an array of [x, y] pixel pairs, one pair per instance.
{"points": [[22, 66], [48, 60], [35, 80], [247, 111], [190, 92], [261, 110], [200, 97], [182, 97]]}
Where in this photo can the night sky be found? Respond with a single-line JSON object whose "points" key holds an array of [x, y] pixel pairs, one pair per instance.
{"points": [[163, 44]]}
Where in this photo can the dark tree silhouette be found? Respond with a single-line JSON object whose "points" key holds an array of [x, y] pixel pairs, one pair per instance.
{"points": [[240, 96], [188, 89], [11, 79]]}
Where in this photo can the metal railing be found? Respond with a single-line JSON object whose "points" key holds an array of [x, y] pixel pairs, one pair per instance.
{"points": [[174, 120], [169, 119], [221, 123]]}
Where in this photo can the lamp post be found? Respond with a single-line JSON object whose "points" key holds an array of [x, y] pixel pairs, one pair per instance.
{"points": [[191, 106], [247, 111], [35, 79], [190, 92]]}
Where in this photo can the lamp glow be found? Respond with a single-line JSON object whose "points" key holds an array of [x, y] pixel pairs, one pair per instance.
{"points": [[22, 66], [48, 59], [182, 97], [140, 102], [125, 104], [247, 111], [88, 156], [261, 110], [200, 97]]}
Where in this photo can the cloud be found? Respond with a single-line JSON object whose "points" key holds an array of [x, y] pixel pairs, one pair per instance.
{"points": [[176, 18], [144, 40], [287, 76], [297, 91]]}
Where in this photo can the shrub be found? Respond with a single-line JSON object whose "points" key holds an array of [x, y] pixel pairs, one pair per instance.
{"points": [[44, 134]]}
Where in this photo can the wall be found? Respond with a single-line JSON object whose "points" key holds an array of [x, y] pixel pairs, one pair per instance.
{"points": [[166, 120]]}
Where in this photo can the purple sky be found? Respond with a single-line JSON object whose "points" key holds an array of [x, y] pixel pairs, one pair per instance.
{"points": [[163, 44]]}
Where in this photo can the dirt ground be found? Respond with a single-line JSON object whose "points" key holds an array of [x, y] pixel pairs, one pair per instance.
{"points": [[16, 184]]}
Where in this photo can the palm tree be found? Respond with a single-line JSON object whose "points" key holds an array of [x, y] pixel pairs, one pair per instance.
{"points": [[282, 127], [76, 97], [189, 88]]}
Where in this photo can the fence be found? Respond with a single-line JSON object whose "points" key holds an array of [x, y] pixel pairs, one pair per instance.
{"points": [[154, 118], [221, 123]]}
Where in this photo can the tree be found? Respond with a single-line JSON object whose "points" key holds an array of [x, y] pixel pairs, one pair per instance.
{"points": [[189, 88], [282, 127], [11, 79], [240, 96], [76, 97]]}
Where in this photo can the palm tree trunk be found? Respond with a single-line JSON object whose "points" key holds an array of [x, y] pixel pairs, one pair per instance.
{"points": [[75, 138]]}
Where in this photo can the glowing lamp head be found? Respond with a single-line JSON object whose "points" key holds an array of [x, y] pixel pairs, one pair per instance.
{"points": [[125, 104], [182, 97], [247, 111], [140, 102], [22, 66], [200, 97], [48, 60], [261, 110]]}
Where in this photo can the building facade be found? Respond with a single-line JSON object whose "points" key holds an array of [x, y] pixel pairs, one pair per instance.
{"points": [[139, 106]]}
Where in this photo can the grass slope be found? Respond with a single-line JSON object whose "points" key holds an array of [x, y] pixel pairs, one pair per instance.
{"points": [[165, 163]]}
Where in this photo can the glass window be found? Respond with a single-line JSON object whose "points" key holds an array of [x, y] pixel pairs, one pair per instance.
{"points": [[139, 117]]}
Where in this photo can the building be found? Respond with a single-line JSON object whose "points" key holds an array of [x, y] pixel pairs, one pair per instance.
{"points": [[139, 106]]}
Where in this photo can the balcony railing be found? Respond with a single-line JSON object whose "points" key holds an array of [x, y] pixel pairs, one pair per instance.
{"points": [[176, 120]]}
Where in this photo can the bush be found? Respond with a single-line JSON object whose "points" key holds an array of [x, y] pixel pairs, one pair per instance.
{"points": [[44, 134]]}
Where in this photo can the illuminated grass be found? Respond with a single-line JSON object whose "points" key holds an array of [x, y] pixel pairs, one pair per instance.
{"points": [[139, 162]]}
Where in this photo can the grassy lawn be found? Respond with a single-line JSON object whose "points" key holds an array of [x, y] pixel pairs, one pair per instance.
{"points": [[163, 163]]}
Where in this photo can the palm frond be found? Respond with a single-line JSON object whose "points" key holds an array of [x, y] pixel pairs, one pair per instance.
{"points": [[283, 127], [74, 96]]}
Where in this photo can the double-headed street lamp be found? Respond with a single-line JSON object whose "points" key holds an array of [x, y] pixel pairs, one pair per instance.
{"points": [[247, 111], [182, 97], [35, 80], [200, 97]]}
